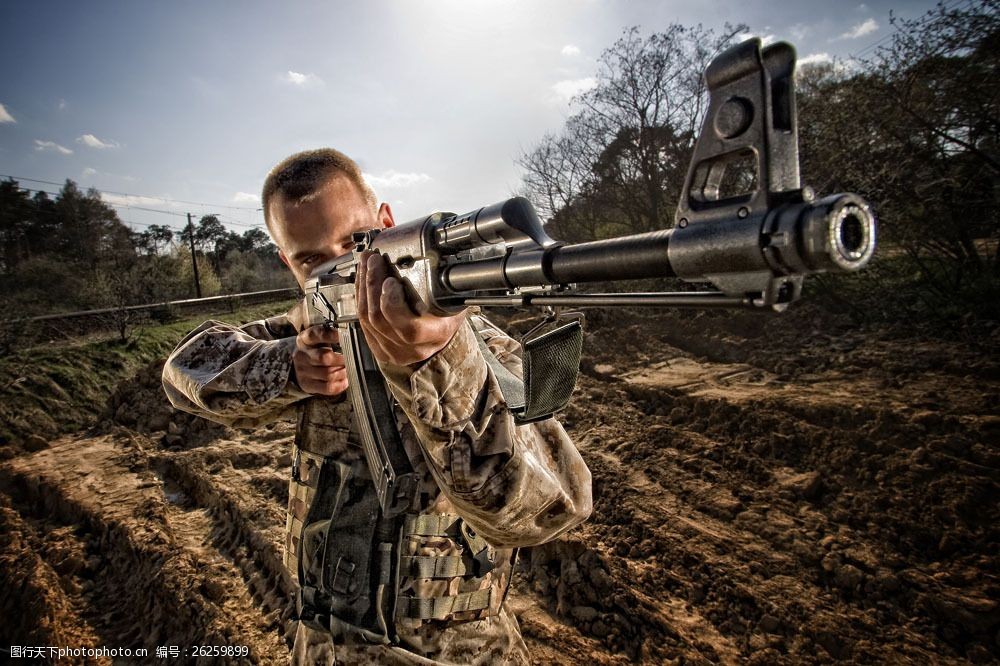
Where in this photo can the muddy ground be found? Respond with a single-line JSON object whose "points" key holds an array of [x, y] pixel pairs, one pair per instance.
{"points": [[768, 490]]}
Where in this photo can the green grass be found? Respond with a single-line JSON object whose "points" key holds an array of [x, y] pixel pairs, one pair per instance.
{"points": [[58, 388]]}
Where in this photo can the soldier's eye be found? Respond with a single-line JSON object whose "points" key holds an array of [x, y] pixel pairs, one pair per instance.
{"points": [[311, 259]]}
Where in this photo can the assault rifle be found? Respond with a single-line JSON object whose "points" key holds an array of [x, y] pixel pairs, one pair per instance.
{"points": [[753, 247]]}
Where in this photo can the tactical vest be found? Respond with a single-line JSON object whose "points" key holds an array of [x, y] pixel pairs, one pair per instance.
{"points": [[363, 577]]}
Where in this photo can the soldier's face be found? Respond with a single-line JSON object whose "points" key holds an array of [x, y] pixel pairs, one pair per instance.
{"points": [[319, 228]]}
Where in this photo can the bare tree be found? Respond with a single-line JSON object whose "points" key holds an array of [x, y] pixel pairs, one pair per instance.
{"points": [[619, 164], [939, 74], [915, 129]]}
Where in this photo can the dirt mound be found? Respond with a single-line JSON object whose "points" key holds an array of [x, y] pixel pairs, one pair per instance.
{"points": [[139, 403]]}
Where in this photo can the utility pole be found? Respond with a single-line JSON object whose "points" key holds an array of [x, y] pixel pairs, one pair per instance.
{"points": [[194, 260]]}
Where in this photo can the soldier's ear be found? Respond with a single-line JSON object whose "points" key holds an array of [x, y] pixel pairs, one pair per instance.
{"points": [[284, 259], [384, 216]]}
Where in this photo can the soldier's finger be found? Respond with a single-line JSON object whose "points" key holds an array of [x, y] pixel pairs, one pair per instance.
{"points": [[377, 340], [318, 336], [324, 386], [335, 386], [311, 375], [324, 357], [397, 312], [361, 287], [305, 371], [374, 278], [333, 374]]}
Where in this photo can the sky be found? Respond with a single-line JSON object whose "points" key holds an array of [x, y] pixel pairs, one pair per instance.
{"points": [[183, 106]]}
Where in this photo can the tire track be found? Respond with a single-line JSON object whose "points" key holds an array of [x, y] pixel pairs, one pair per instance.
{"points": [[246, 527], [752, 499], [43, 604], [159, 579]]}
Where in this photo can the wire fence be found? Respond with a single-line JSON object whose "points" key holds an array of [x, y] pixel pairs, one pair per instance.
{"points": [[71, 324]]}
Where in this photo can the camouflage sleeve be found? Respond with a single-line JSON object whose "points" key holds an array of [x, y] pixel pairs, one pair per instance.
{"points": [[240, 376], [517, 485]]}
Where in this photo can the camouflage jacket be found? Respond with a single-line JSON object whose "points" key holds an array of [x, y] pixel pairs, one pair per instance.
{"points": [[514, 485]]}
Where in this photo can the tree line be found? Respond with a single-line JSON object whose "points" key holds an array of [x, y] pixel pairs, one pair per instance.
{"points": [[71, 252], [913, 128]]}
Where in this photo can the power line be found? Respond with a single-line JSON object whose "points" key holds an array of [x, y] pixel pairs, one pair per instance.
{"points": [[148, 210], [108, 203], [945, 6], [154, 224], [146, 224], [229, 220], [142, 196]]}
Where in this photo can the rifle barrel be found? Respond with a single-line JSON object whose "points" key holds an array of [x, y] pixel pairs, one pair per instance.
{"points": [[836, 234], [626, 258]]}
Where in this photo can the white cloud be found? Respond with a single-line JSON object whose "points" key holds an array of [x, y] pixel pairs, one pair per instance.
{"points": [[841, 66], [5, 116], [765, 39], [393, 179], [303, 80], [816, 59], [569, 88], [51, 145], [136, 200], [860, 30], [90, 172], [92, 141], [570, 50], [246, 197], [62, 104], [799, 31]]}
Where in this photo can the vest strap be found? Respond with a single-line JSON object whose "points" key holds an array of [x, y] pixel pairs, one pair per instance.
{"points": [[447, 566], [431, 524], [439, 608]]}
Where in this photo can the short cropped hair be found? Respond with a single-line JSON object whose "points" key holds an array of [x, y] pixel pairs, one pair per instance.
{"points": [[302, 174]]}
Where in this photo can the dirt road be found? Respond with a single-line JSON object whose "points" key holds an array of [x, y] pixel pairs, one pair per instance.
{"points": [[767, 491]]}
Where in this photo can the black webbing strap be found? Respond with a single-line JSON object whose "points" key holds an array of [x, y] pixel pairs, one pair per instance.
{"points": [[550, 363]]}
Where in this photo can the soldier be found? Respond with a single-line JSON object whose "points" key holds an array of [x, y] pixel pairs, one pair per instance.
{"points": [[486, 485]]}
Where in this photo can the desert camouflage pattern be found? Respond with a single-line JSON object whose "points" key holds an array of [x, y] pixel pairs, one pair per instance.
{"points": [[496, 640], [235, 376], [513, 485]]}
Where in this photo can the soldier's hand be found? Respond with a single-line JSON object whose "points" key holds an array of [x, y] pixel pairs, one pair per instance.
{"points": [[398, 331], [318, 368]]}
